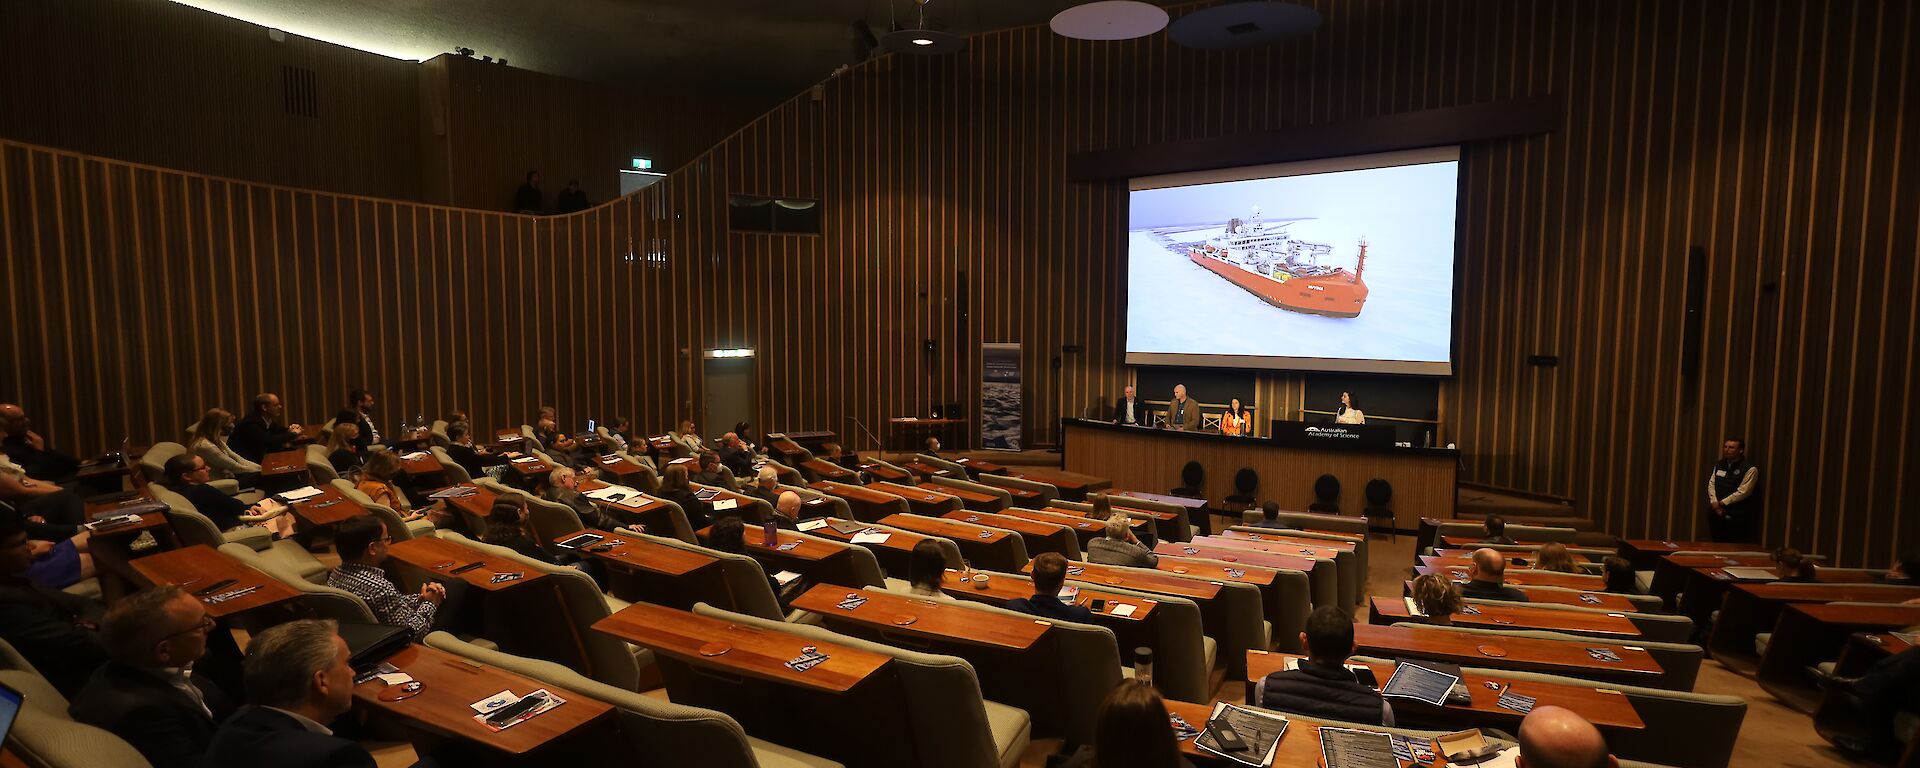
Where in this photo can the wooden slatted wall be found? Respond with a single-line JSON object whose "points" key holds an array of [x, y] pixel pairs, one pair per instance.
{"points": [[1773, 134]]}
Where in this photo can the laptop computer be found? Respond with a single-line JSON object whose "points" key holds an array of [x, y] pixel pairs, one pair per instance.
{"points": [[10, 700]]}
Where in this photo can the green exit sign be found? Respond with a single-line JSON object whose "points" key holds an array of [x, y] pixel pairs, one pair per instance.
{"points": [[642, 164]]}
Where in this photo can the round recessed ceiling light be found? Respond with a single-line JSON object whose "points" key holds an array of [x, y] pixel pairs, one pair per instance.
{"points": [[1241, 25], [922, 41], [1109, 20]]}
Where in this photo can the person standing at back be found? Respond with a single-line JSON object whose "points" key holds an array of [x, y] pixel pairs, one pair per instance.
{"points": [[1730, 493], [1182, 414], [1322, 686]]}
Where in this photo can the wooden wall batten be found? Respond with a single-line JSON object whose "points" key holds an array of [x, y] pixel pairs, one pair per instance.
{"points": [[1773, 134]]}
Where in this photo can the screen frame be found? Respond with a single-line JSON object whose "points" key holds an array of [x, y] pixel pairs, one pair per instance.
{"points": [[1455, 153]]}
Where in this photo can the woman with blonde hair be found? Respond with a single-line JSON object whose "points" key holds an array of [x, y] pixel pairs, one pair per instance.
{"points": [[1555, 557], [1438, 598], [376, 481], [343, 449], [207, 439]]}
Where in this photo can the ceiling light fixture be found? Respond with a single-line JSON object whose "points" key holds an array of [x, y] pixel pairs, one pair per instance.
{"points": [[921, 40], [1109, 20]]}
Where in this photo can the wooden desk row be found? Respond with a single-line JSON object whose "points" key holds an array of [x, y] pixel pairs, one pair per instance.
{"points": [[1604, 707]]}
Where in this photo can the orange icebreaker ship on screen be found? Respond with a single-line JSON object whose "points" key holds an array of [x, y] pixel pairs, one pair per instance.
{"points": [[1283, 271]]}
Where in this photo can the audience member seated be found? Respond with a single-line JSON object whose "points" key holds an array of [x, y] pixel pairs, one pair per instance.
{"points": [[1554, 737], [926, 567], [147, 692], [472, 458], [562, 448], [1131, 731], [507, 527], [261, 432], [1553, 556], [1792, 566], [41, 502], [208, 440], [621, 430], [1049, 574], [1119, 547], [1438, 598], [1322, 686], [787, 509], [359, 412], [838, 456], [1619, 575], [1890, 686], [686, 440], [61, 563], [710, 472], [298, 681], [735, 455], [744, 431], [28, 449], [1270, 516], [188, 475], [729, 534], [456, 416], [674, 488], [1486, 578], [362, 543], [55, 631], [766, 486], [343, 449], [1496, 527], [377, 482], [933, 446], [563, 487], [1102, 508]]}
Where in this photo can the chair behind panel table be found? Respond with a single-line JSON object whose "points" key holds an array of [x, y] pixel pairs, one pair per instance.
{"points": [[45, 736], [1246, 483], [1060, 684], [1193, 478], [656, 733], [1379, 496], [1047, 493], [611, 660], [1679, 662], [960, 482], [937, 702], [1326, 495]]}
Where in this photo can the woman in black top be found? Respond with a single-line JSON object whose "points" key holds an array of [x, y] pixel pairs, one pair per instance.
{"points": [[343, 449], [507, 527], [675, 488]]}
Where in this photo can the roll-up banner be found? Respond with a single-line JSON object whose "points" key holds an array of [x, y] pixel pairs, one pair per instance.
{"points": [[1001, 403]]}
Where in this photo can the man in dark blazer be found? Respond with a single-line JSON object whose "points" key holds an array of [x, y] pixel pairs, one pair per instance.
{"points": [[1131, 411], [147, 693], [260, 433], [359, 412], [298, 680]]}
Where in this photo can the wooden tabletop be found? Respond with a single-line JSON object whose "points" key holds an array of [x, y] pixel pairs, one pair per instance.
{"points": [[886, 473], [1464, 555], [439, 557], [901, 541], [1040, 537], [476, 504], [1795, 592], [741, 650], [643, 555], [1274, 545], [328, 508], [420, 463], [634, 505], [1662, 545], [1475, 542], [1180, 501], [919, 500], [1719, 561], [1139, 581], [415, 436], [529, 466], [786, 544], [1820, 576], [200, 566], [1603, 707], [1228, 554], [1462, 561], [449, 684], [971, 499], [981, 467], [616, 466], [999, 589], [1071, 482], [935, 526], [1605, 600], [1098, 525], [1299, 746], [1086, 528], [924, 469], [895, 614], [95, 510], [1387, 610], [1559, 657], [284, 462], [1525, 578], [741, 501], [1246, 573], [829, 470], [1875, 616]]}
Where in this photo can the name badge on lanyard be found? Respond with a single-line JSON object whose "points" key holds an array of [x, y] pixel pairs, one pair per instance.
{"points": [[1719, 473]]}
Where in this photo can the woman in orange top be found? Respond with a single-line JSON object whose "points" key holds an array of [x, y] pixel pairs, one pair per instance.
{"points": [[1236, 421], [376, 481]]}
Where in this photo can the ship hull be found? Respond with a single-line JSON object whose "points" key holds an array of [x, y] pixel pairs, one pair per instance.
{"points": [[1336, 295]]}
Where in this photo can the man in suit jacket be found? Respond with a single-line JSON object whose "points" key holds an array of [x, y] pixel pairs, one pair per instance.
{"points": [[359, 412], [298, 680], [1182, 413], [260, 433], [735, 455], [147, 692], [1131, 411]]}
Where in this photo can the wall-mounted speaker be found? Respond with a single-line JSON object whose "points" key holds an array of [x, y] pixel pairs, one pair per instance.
{"points": [[1691, 319]]}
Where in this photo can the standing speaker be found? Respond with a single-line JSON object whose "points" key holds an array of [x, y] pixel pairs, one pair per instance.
{"points": [[1692, 319]]}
